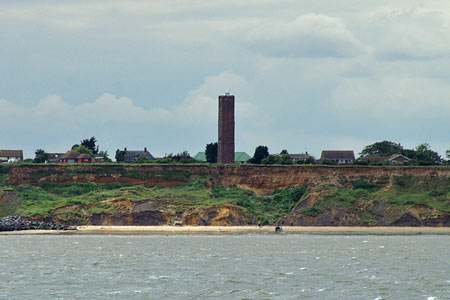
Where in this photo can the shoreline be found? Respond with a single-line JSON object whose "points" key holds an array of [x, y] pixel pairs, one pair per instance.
{"points": [[235, 230]]}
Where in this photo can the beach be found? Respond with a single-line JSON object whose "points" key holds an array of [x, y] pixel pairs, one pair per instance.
{"points": [[220, 230]]}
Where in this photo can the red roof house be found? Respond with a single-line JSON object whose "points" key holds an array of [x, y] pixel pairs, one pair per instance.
{"points": [[11, 155], [75, 157], [341, 157]]}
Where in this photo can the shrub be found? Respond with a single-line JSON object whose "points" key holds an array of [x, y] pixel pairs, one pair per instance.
{"points": [[359, 184], [312, 211]]}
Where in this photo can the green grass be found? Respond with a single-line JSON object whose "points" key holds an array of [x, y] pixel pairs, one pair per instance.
{"points": [[58, 199], [87, 198], [405, 192]]}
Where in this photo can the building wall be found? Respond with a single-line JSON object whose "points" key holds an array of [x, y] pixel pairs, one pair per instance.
{"points": [[225, 149]]}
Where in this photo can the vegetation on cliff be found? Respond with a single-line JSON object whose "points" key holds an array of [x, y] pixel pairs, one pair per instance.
{"points": [[77, 202], [334, 196], [407, 200]]}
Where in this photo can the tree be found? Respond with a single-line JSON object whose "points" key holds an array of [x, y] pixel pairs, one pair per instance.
{"points": [[285, 159], [425, 156], [182, 157], [105, 156], [211, 152], [119, 155], [261, 152], [384, 148], [40, 156], [271, 160], [90, 144], [83, 149]]}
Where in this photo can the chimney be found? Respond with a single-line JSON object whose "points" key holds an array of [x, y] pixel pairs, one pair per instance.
{"points": [[125, 150], [145, 149]]}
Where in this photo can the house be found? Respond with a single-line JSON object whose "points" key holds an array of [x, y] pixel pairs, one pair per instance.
{"points": [[341, 157], [240, 157], [75, 157], [395, 159], [132, 155], [54, 157], [11, 155], [299, 158]]}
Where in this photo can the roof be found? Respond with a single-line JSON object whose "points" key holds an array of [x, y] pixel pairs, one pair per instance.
{"points": [[55, 155], [72, 154], [382, 159], [238, 156], [241, 156], [337, 154], [299, 156], [131, 155], [11, 153], [394, 156], [201, 156], [375, 159]]}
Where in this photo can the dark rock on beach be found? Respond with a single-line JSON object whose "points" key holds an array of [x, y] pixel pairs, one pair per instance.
{"points": [[14, 223]]}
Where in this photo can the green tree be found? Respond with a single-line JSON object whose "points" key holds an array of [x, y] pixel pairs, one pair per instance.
{"points": [[143, 160], [40, 156], [105, 156], [285, 159], [261, 152], [384, 148], [211, 152], [91, 144], [119, 155], [425, 156], [83, 149], [271, 160]]}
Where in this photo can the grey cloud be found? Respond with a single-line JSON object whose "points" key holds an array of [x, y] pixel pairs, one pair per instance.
{"points": [[310, 35], [408, 34]]}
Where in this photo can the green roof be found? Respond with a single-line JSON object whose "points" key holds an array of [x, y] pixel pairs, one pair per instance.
{"points": [[238, 156], [241, 156], [201, 156]]}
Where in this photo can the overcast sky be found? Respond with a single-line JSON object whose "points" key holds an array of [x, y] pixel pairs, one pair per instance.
{"points": [[307, 75]]}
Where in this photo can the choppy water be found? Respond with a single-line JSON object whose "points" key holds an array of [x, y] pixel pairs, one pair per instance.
{"points": [[225, 267]]}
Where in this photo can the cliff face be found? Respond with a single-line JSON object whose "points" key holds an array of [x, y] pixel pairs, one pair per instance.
{"points": [[337, 196], [259, 179]]}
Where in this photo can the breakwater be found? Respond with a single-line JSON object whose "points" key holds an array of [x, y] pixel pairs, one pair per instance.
{"points": [[14, 223]]}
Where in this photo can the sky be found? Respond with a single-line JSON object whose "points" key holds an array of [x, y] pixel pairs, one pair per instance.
{"points": [[307, 75]]}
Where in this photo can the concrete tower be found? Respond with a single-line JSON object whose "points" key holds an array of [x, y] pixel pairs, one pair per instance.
{"points": [[225, 148]]}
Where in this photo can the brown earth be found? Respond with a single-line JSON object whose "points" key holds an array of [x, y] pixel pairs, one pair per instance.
{"points": [[260, 179]]}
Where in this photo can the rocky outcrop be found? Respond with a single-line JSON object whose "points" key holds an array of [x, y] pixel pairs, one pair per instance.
{"points": [[413, 217], [218, 216], [153, 212]]}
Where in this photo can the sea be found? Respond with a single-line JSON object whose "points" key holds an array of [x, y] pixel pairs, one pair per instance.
{"points": [[284, 266]]}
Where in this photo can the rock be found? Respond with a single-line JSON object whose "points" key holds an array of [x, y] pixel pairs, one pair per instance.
{"points": [[14, 223]]}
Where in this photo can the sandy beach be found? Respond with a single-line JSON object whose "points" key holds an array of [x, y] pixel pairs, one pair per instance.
{"points": [[219, 230]]}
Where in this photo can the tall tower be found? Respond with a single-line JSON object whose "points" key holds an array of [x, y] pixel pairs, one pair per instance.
{"points": [[225, 147]]}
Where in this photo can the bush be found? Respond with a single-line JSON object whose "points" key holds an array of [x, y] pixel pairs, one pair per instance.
{"points": [[312, 211], [359, 184]]}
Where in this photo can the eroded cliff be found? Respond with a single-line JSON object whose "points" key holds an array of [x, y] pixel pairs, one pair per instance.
{"points": [[414, 196]]}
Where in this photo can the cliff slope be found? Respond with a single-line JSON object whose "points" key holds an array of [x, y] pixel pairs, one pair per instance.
{"points": [[228, 195]]}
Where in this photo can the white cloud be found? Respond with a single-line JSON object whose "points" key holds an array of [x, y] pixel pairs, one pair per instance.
{"points": [[391, 97], [407, 33], [309, 35]]}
